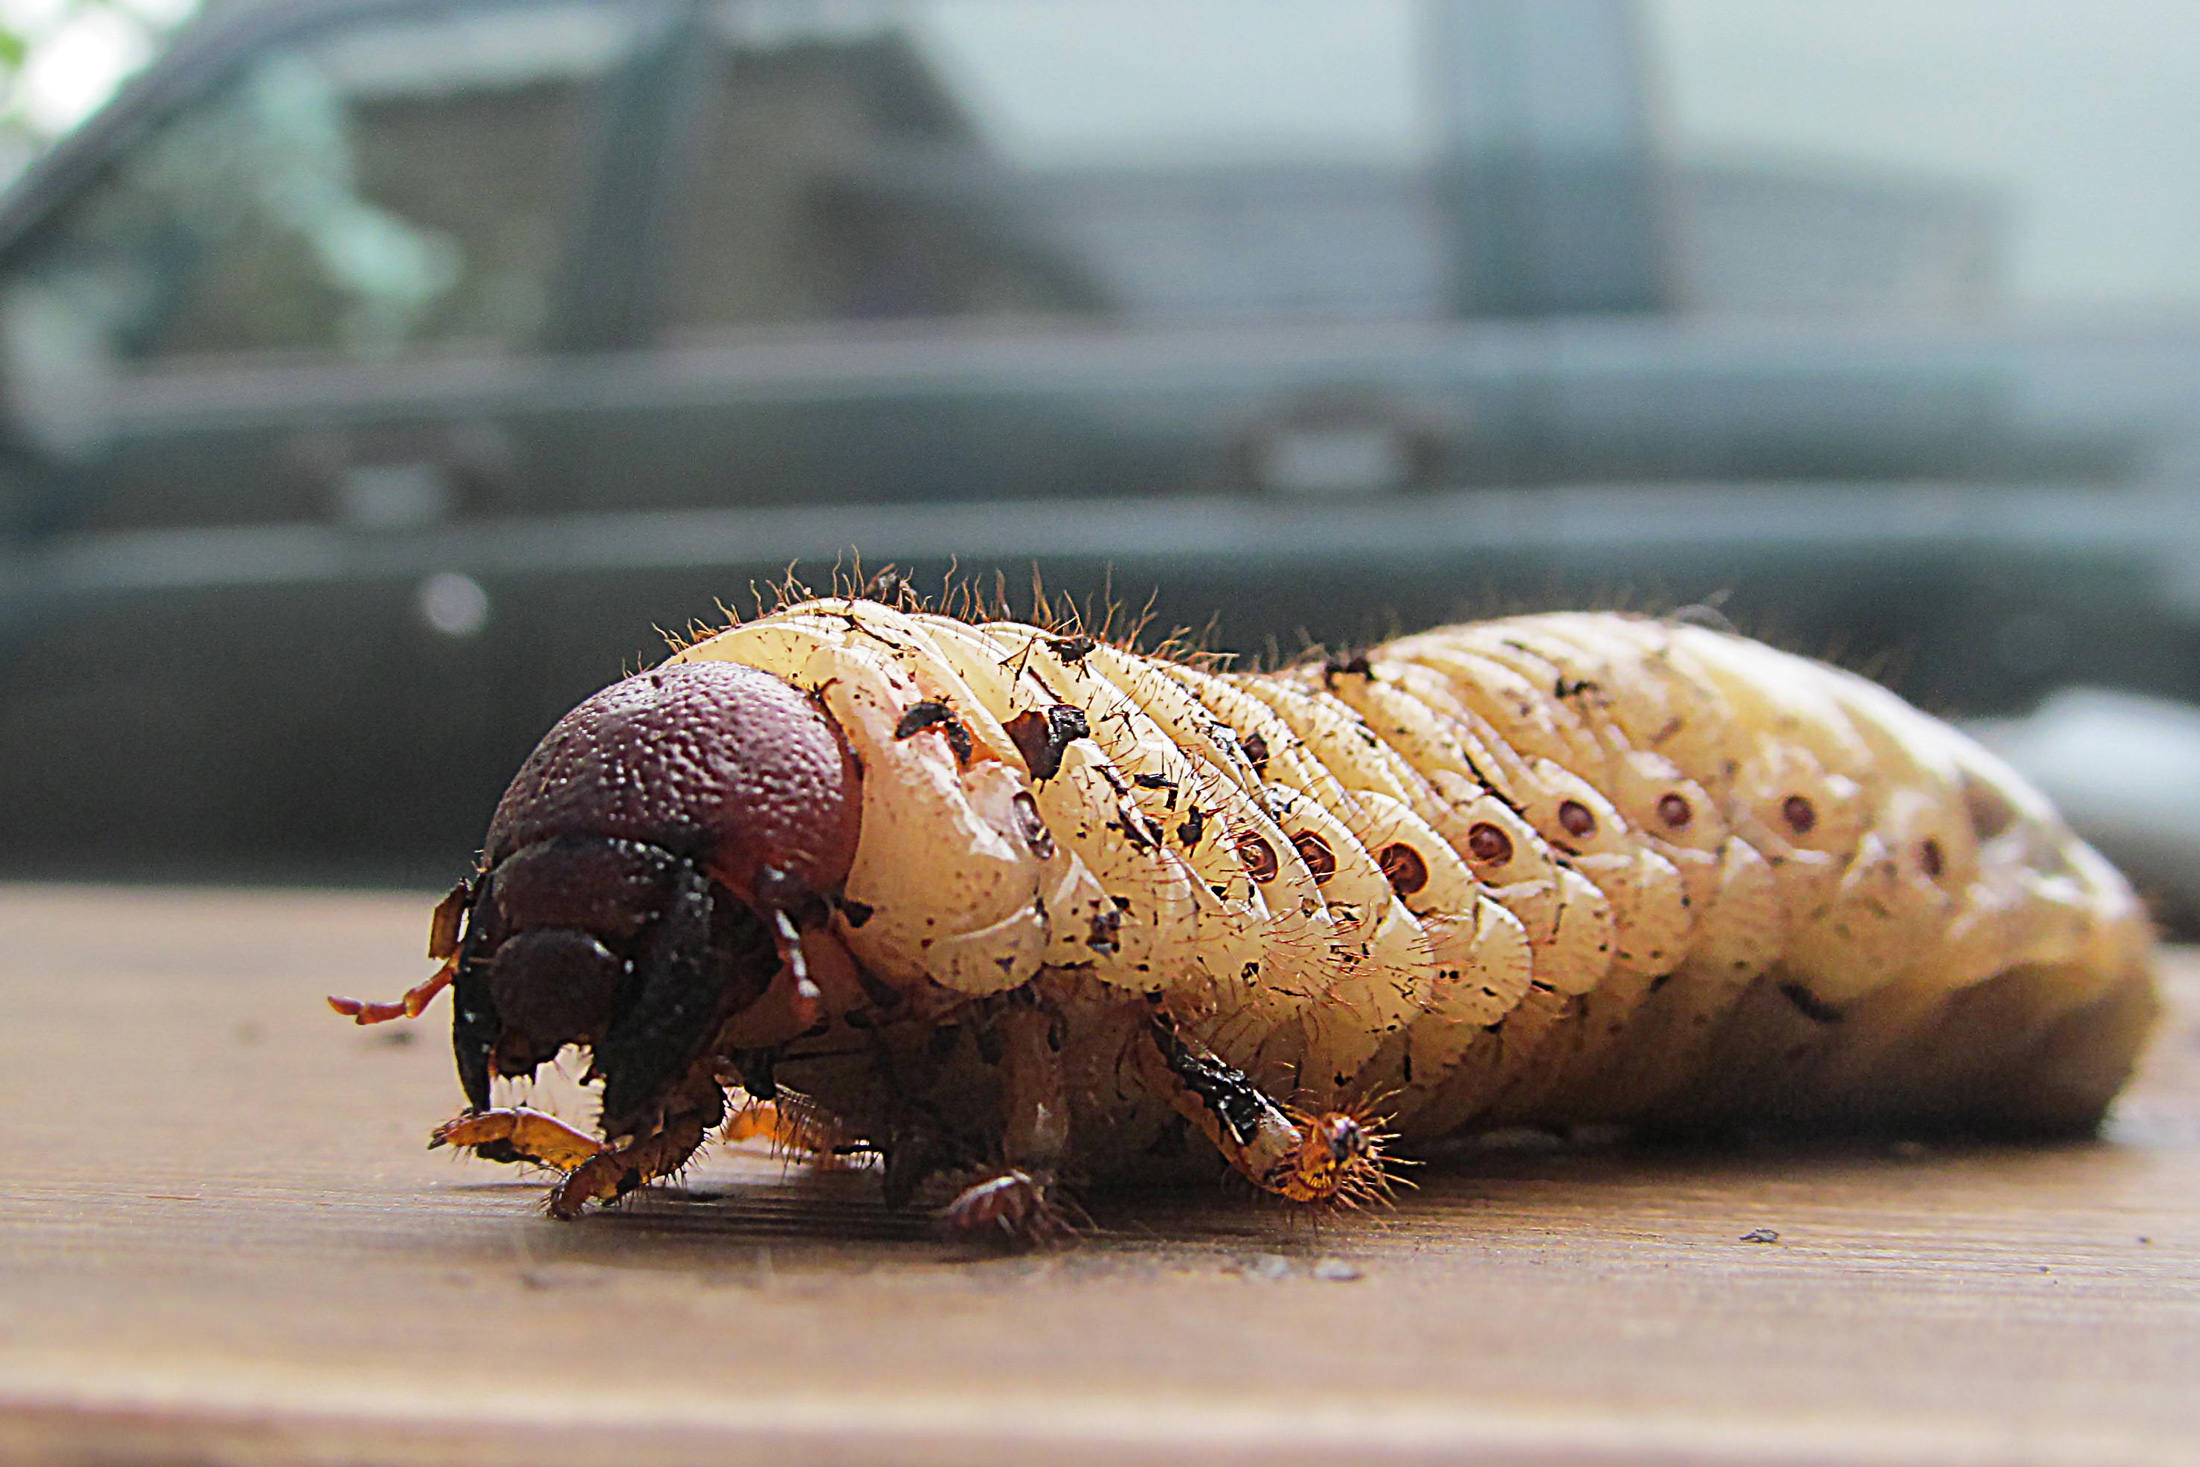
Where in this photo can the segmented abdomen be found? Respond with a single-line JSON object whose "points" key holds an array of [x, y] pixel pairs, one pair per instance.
{"points": [[1559, 868]]}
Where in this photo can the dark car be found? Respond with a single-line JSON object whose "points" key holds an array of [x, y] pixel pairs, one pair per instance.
{"points": [[375, 375]]}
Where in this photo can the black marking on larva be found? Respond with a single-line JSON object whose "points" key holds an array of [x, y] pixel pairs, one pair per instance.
{"points": [[1234, 1099], [1194, 826], [931, 713], [1809, 1004], [1153, 781], [1043, 737], [855, 913], [1101, 934], [1573, 688], [1930, 860], [1140, 829], [1255, 749], [1321, 862], [1345, 665], [1075, 649]]}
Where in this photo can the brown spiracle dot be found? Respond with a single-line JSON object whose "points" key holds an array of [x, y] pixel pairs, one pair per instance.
{"points": [[1259, 856], [1032, 826], [1408, 873], [1575, 819], [1799, 813], [1489, 845], [1930, 860], [1320, 861], [1674, 811]]}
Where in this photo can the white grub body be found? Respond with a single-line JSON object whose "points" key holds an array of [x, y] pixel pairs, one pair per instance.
{"points": [[1560, 869]]}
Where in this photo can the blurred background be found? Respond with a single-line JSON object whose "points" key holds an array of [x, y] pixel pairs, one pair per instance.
{"points": [[375, 375]]}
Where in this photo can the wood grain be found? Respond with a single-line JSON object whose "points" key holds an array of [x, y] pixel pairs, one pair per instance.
{"points": [[221, 1241]]}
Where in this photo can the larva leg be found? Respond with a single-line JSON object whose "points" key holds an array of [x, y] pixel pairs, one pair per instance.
{"points": [[1018, 1197], [794, 1126], [611, 1174], [594, 1172], [1331, 1156], [517, 1134]]}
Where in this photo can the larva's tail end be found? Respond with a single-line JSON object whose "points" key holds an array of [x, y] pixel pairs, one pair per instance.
{"points": [[1340, 1159]]}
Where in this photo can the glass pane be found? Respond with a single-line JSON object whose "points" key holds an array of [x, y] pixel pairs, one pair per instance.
{"points": [[1096, 158], [1952, 154], [359, 195]]}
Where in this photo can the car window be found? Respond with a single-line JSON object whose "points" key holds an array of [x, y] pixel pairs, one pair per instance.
{"points": [[391, 186], [1963, 156], [1286, 159], [943, 158]]}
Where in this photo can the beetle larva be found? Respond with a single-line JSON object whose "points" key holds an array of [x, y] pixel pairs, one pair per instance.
{"points": [[1014, 905]]}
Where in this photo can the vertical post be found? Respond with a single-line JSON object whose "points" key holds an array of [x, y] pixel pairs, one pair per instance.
{"points": [[1548, 171]]}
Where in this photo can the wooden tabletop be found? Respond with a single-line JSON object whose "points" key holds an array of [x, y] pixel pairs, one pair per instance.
{"points": [[222, 1241]]}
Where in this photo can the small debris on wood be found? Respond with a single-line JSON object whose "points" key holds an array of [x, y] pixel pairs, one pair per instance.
{"points": [[1761, 1235]]}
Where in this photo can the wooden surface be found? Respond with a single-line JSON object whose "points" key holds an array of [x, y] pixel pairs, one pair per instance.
{"points": [[221, 1240]]}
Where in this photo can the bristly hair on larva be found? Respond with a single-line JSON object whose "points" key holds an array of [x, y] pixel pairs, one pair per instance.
{"points": [[1018, 905]]}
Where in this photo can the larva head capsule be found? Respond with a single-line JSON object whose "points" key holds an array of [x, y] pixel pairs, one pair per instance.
{"points": [[648, 876]]}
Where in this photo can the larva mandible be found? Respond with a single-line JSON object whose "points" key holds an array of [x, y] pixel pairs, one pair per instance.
{"points": [[1015, 905]]}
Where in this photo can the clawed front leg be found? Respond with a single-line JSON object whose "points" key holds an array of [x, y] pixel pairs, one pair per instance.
{"points": [[611, 1174], [594, 1172], [517, 1134]]}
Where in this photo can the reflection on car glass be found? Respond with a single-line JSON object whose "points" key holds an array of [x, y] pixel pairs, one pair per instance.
{"points": [[377, 190]]}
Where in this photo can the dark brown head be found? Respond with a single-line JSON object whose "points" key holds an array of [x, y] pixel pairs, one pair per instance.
{"points": [[637, 875]]}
